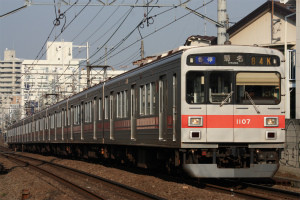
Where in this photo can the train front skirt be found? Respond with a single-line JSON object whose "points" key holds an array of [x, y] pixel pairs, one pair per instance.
{"points": [[212, 171]]}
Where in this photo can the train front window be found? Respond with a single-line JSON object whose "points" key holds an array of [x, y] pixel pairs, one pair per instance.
{"points": [[195, 87], [261, 88], [220, 87]]}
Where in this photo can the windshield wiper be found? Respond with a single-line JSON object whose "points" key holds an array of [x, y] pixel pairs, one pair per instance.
{"points": [[226, 99], [252, 102]]}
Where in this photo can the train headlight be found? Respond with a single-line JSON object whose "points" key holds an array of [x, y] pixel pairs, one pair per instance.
{"points": [[271, 121], [195, 121]]}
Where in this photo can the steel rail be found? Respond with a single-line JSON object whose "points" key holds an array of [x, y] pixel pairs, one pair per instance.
{"points": [[262, 191], [140, 193], [82, 191]]}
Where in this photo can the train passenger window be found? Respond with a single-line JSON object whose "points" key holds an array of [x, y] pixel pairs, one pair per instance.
{"points": [[195, 90], [65, 117], [37, 125], [261, 87], [106, 107], [74, 114], [69, 117], [88, 112], [119, 104], [122, 104], [77, 114], [100, 109], [148, 98], [125, 104], [220, 87], [52, 122], [142, 99], [41, 124], [58, 120], [46, 122], [80, 113], [152, 98]]}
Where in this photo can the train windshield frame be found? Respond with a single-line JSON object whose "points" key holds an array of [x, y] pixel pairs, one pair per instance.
{"points": [[233, 87], [262, 88]]}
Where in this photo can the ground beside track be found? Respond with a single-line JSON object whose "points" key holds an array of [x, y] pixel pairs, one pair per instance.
{"points": [[19, 178]]}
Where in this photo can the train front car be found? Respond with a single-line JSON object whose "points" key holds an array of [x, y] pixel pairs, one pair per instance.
{"points": [[232, 111]]}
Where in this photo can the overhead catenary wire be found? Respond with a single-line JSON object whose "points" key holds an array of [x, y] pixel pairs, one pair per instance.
{"points": [[62, 30], [38, 57], [139, 39], [101, 25], [102, 46], [125, 38], [162, 27], [140, 25], [128, 13], [109, 29], [85, 27], [77, 67]]}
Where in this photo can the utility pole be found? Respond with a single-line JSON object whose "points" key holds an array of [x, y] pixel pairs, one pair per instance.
{"points": [[142, 49], [87, 63], [222, 17]]}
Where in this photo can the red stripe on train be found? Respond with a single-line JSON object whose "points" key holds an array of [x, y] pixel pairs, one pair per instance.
{"points": [[233, 121]]}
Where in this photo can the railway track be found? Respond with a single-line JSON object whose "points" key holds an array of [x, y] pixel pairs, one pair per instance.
{"points": [[87, 185], [250, 190], [246, 190]]}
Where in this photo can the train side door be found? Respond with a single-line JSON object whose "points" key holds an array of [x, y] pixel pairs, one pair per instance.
{"points": [[81, 118], [111, 116], [94, 111], [133, 112], [163, 105], [220, 106]]}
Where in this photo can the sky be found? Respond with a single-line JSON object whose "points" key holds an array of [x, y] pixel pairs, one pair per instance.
{"points": [[118, 28]]}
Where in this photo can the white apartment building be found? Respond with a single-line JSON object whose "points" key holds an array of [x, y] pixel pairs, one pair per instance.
{"points": [[47, 81], [10, 88]]}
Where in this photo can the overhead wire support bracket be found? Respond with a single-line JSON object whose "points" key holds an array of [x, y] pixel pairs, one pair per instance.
{"points": [[89, 67], [203, 16]]}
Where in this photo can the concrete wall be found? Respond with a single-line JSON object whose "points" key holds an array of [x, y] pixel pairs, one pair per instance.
{"points": [[259, 31], [291, 154]]}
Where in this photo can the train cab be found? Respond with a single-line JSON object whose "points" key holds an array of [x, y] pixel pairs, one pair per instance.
{"points": [[232, 111]]}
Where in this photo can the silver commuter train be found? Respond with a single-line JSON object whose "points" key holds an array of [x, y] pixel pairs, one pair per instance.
{"points": [[214, 112]]}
